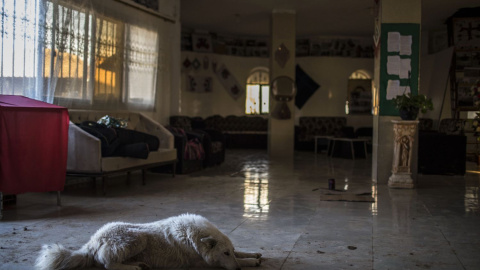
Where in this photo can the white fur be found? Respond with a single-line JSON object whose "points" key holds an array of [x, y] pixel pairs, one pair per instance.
{"points": [[176, 242]]}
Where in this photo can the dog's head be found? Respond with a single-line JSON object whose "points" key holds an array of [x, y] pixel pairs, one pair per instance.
{"points": [[219, 252]]}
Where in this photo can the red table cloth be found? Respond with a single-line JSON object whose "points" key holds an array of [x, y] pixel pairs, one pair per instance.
{"points": [[33, 145]]}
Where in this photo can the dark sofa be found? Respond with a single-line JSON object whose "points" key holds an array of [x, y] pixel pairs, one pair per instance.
{"points": [[311, 126], [241, 131], [244, 132]]}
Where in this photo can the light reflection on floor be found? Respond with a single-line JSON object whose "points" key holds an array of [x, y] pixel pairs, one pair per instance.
{"points": [[472, 189], [471, 199], [374, 207], [345, 187], [255, 201]]}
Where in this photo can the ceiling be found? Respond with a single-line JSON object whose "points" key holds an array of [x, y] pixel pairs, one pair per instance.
{"points": [[352, 18]]}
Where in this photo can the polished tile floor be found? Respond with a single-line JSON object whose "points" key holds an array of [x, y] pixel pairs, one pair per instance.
{"points": [[274, 208]]}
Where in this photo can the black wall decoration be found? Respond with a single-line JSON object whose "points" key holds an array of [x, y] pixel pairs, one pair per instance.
{"points": [[306, 87]]}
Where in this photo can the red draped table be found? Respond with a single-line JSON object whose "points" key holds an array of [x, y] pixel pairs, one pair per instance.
{"points": [[33, 145]]}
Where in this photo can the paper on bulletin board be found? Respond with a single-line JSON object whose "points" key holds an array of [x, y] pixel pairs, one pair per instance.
{"points": [[399, 63], [393, 65], [399, 43], [405, 45], [399, 66], [393, 42], [394, 89], [405, 68]]}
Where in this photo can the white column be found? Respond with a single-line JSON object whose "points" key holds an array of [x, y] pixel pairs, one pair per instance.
{"points": [[389, 11], [282, 63]]}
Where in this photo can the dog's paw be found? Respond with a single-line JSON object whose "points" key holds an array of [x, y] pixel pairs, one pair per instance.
{"points": [[141, 266], [144, 266], [259, 261], [258, 255]]}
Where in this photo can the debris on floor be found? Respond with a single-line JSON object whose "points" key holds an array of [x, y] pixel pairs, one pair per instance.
{"points": [[343, 195]]}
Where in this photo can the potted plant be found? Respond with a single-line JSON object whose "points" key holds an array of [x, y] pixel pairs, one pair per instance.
{"points": [[409, 105]]}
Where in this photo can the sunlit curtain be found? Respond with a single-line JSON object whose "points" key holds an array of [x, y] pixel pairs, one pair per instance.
{"points": [[79, 53], [141, 55], [68, 52], [21, 29]]}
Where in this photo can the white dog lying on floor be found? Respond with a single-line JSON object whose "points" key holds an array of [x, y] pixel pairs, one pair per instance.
{"points": [[176, 242]]}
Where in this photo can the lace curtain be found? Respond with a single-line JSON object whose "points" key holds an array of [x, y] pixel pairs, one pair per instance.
{"points": [[80, 53]]}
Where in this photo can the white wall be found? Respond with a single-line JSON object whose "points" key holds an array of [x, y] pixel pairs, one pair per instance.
{"points": [[329, 100], [332, 74]]}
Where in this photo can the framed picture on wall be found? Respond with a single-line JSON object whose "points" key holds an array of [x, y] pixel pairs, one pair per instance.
{"points": [[202, 43], [359, 96]]}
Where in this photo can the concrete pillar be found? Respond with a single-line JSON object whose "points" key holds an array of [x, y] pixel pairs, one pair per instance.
{"points": [[390, 12], [282, 63]]}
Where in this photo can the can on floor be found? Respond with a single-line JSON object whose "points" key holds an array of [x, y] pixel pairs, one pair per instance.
{"points": [[331, 184]]}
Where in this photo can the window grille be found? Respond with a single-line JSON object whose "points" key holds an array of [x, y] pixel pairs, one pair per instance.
{"points": [[258, 92], [55, 49]]}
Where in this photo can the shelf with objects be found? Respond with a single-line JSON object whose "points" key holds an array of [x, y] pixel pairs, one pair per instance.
{"points": [[464, 36]]}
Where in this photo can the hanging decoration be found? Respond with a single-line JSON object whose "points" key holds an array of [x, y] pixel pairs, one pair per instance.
{"points": [[187, 64], [196, 64], [202, 42], [199, 84], [229, 82], [306, 87]]}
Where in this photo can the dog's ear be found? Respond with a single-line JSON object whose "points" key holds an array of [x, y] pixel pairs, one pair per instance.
{"points": [[209, 241]]}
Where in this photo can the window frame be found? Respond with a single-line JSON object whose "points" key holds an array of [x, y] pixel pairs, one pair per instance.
{"points": [[260, 77]]}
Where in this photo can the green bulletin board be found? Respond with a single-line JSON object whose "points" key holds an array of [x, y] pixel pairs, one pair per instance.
{"points": [[399, 62]]}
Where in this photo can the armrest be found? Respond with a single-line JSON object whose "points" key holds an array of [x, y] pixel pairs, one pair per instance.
{"points": [[215, 135], [84, 151], [150, 126], [195, 135]]}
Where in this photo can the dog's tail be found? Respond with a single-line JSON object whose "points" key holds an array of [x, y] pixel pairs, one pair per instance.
{"points": [[58, 257]]}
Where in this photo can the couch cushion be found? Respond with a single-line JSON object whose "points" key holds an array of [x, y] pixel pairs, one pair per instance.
{"points": [[183, 122]]}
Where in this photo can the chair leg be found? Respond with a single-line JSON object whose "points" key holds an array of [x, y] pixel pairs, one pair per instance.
{"points": [[94, 181], [59, 200], [104, 185], [1, 205], [174, 168], [353, 151]]}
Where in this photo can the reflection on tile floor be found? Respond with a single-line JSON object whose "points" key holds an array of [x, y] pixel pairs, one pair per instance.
{"points": [[274, 208]]}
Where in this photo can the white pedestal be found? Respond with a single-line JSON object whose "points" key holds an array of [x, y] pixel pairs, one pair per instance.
{"points": [[404, 132]]}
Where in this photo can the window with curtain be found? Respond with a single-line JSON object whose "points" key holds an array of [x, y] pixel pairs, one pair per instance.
{"points": [[77, 55], [258, 92], [18, 47]]}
